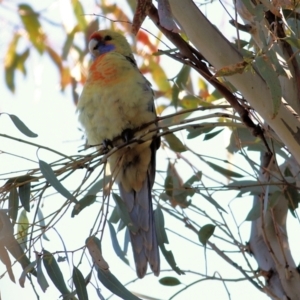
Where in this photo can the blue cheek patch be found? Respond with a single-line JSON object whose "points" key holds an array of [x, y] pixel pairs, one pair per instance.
{"points": [[106, 48]]}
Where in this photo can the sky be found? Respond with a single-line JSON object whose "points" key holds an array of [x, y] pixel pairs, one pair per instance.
{"points": [[50, 113]]}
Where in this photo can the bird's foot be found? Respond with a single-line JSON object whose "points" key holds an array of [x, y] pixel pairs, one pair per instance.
{"points": [[127, 135], [107, 144]]}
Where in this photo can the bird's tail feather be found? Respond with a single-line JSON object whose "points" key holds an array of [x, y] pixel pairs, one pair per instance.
{"points": [[144, 241]]}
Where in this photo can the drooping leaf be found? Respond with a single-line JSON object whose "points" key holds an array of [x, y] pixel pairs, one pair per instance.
{"points": [[20, 61], [174, 143], [123, 213], [205, 233], [13, 203], [83, 203], [269, 75], [22, 230], [42, 223], [24, 194], [211, 135], [114, 285], [161, 234], [94, 246], [225, 172], [79, 14], [42, 281], [114, 217], [69, 42], [254, 213], [10, 62], [22, 127], [115, 244], [292, 195], [195, 132], [80, 285], [159, 76], [180, 83], [54, 272], [4, 257], [169, 281], [33, 26], [168, 255], [51, 178], [25, 272], [169, 185], [8, 240]]}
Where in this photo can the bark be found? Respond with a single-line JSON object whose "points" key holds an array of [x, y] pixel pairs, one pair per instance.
{"points": [[269, 238]]}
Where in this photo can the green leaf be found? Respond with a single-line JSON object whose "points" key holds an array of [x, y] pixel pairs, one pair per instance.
{"points": [[205, 233], [159, 76], [69, 42], [114, 285], [22, 230], [115, 244], [194, 178], [195, 132], [4, 257], [292, 41], [161, 234], [83, 203], [20, 61], [190, 102], [174, 143], [254, 213], [51, 178], [209, 136], [11, 243], [79, 14], [123, 213], [169, 281], [225, 172], [22, 127], [33, 27], [54, 272], [42, 281], [13, 203], [42, 223], [180, 83], [292, 196], [25, 272], [80, 285], [269, 75], [24, 194], [114, 217], [168, 255], [169, 185], [10, 62]]}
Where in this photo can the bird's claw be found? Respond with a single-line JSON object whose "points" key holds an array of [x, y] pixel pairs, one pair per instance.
{"points": [[127, 135], [107, 144]]}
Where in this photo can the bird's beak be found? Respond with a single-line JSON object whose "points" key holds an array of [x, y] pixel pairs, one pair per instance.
{"points": [[94, 45]]}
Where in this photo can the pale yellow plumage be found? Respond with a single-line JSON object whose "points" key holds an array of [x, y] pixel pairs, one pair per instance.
{"points": [[117, 97]]}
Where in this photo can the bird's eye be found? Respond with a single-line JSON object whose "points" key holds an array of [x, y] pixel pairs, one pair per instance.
{"points": [[107, 38]]}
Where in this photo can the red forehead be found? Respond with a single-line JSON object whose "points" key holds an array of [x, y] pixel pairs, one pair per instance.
{"points": [[96, 35]]}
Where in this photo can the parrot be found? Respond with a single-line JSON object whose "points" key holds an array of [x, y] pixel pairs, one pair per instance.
{"points": [[116, 100]]}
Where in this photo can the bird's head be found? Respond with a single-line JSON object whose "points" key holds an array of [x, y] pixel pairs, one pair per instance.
{"points": [[104, 41]]}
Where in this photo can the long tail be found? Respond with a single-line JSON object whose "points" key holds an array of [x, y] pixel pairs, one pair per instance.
{"points": [[144, 241]]}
